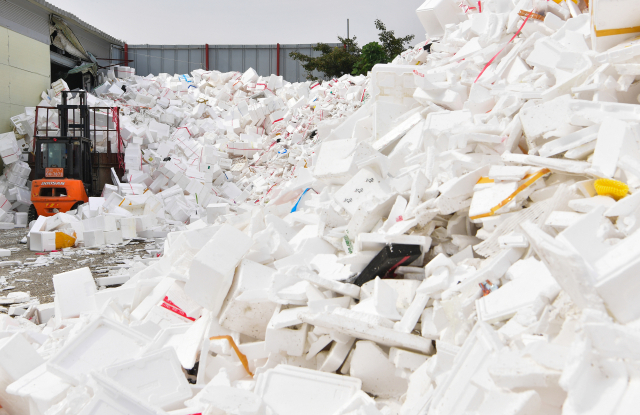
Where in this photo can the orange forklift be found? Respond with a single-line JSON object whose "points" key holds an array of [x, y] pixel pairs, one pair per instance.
{"points": [[63, 175]]}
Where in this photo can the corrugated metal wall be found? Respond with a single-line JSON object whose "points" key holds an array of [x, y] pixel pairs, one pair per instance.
{"points": [[182, 59], [25, 18]]}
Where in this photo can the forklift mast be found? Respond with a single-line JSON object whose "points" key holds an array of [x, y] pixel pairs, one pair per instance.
{"points": [[67, 155]]}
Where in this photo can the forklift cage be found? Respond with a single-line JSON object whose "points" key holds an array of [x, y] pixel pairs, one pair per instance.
{"points": [[80, 128]]}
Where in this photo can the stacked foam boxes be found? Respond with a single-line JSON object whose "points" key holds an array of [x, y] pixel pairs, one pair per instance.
{"points": [[124, 72], [9, 150]]}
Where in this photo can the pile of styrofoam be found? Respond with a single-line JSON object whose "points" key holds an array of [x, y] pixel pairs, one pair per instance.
{"points": [[15, 189], [484, 159], [190, 142]]}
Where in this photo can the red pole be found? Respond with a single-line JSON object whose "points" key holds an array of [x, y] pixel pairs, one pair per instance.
{"points": [[206, 50], [126, 54], [278, 70]]}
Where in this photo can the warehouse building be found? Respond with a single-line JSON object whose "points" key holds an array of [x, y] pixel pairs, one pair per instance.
{"points": [[40, 43]]}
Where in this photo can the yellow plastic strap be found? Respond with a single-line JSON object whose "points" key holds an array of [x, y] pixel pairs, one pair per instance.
{"points": [[612, 188], [613, 32], [526, 184], [241, 356], [484, 180]]}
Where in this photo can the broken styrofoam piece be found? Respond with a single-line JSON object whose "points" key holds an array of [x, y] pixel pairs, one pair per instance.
{"points": [[291, 390], [372, 366], [211, 272], [100, 344], [170, 388]]}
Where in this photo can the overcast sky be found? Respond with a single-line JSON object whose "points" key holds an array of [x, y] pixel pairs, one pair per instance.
{"points": [[219, 22]]}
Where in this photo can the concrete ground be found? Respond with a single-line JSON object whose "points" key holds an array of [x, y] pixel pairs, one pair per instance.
{"points": [[33, 271]]}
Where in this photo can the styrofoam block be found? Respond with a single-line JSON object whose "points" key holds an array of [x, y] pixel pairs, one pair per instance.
{"points": [[113, 237], [211, 272], [216, 209], [110, 398], [58, 221], [93, 238], [291, 390], [42, 387], [404, 359], [531, 281], [436, 14], [42, 241], [290, 340], [364, 186], [45, 312], [361, 326], [615, 139], [457, 393], [615, 271], [247, 309], [74, 292], [372, 366], [100, 344], [128, 228], [18, 357], [170, 388]]}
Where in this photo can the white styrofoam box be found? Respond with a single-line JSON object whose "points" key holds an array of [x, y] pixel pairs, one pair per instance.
{"points": [[531, 281], [42, 387], [113, 237], [169, 388], [42, 241], [93, 238], [5, 252], [6, 205], [74, 292], [58, 221], [9, 150], [290, 390], [45, 312], [18, 357], [212, 269], [393, 84], [128, 228], [247, 309], [372, 366], [612, 22], [365, 186], [110, 398], [21, 219], [436, 14], [100, 344], [94, 223], [216, 209]]}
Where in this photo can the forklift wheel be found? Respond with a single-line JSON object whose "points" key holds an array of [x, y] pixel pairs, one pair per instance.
{"points": [[33, 214]]}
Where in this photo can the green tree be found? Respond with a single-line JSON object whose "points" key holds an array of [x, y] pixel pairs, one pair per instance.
{"points": [[392, 45], [372, 54], [334, 61], [349, 58]]}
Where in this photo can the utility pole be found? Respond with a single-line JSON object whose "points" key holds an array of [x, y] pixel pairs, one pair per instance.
{"points": [[348, 32]]}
